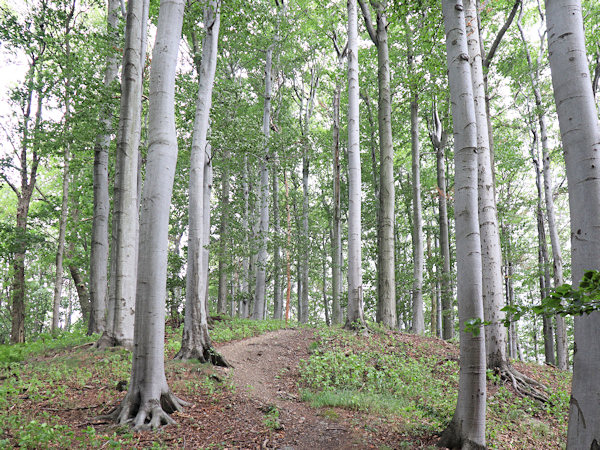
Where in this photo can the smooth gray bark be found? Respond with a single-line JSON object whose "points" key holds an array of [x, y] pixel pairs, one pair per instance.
{"points": [[578, 120], [195, 343], [467, 428], [122, 290], [418, 318], [277, 296], [223, 236], [355, 318], [336, 241], [561, 341], [491, 252], [386, 274], [99, 245], [263, 229], [245, 291], [149, 399], [438, 138]]}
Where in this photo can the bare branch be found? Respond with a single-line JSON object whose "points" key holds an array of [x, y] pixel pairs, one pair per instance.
{"points": [[366, 12], [500, 35]]}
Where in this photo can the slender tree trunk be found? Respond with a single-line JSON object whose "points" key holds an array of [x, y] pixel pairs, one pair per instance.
{"points": [[28, 178], [561, 342], [125, 216], [467, 428], [195, 343], [336, 242], [261, 263], [149, 399], [491, 252], [287, 250], [62, 231], [100, 246], [246, 258], [355, 317], [223, 236], [438, 138], [386, 301], [277, 297]]}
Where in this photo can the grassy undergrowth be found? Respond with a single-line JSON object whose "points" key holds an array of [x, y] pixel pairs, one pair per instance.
{"points": [[411, 382], [50, 388]]}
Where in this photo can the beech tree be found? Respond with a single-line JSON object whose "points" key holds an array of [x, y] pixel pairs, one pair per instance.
{"points": [[121, 307], [355, 317], [467, 428], [196, 342], [149, 399], [580, 132], [386, 301], [99, 245]]}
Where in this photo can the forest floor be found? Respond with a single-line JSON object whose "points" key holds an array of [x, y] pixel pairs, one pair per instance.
{"points": [[54, 398]]}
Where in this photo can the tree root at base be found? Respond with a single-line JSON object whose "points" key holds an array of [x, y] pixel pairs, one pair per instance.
{"points": [[151, 415], [522, 384], [205, 355]]}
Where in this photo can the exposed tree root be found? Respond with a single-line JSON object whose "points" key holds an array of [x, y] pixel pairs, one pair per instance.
{"points": [[151, 415], [206, 354], [522, 384], [105, 342], [453, 439]]}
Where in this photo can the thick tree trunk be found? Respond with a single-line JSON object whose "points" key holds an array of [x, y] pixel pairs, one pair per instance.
{"points": [[355, 318], [149, 399], [467, 428], [100, 246], [305, 242], [125, 216], [491, 252], [578, 120], [195, 343]]}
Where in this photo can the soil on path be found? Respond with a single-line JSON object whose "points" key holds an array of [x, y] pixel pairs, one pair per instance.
{"points": [[266, 372]]}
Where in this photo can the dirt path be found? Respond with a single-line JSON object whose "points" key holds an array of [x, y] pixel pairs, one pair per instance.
{"points": [[265, 371]]}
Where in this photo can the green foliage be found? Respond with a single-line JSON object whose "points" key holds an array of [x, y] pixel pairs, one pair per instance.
{"points": [[44, 343], [563, 300], [380, 374]]}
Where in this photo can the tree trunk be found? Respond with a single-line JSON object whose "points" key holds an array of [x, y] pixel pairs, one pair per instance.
{"points": [[287, 250], [245, 297], [223, 235], [125, 216], [336, 242], [467, 428], [82, 291], [28, 181], [578, 120], [263, 230], [542, 257], [561, 342], [149, 399], [491, 252], [277, 297], [100, 246], [62, 226], [355, 318], [438, 138], [386, 291], [195, 342]]}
